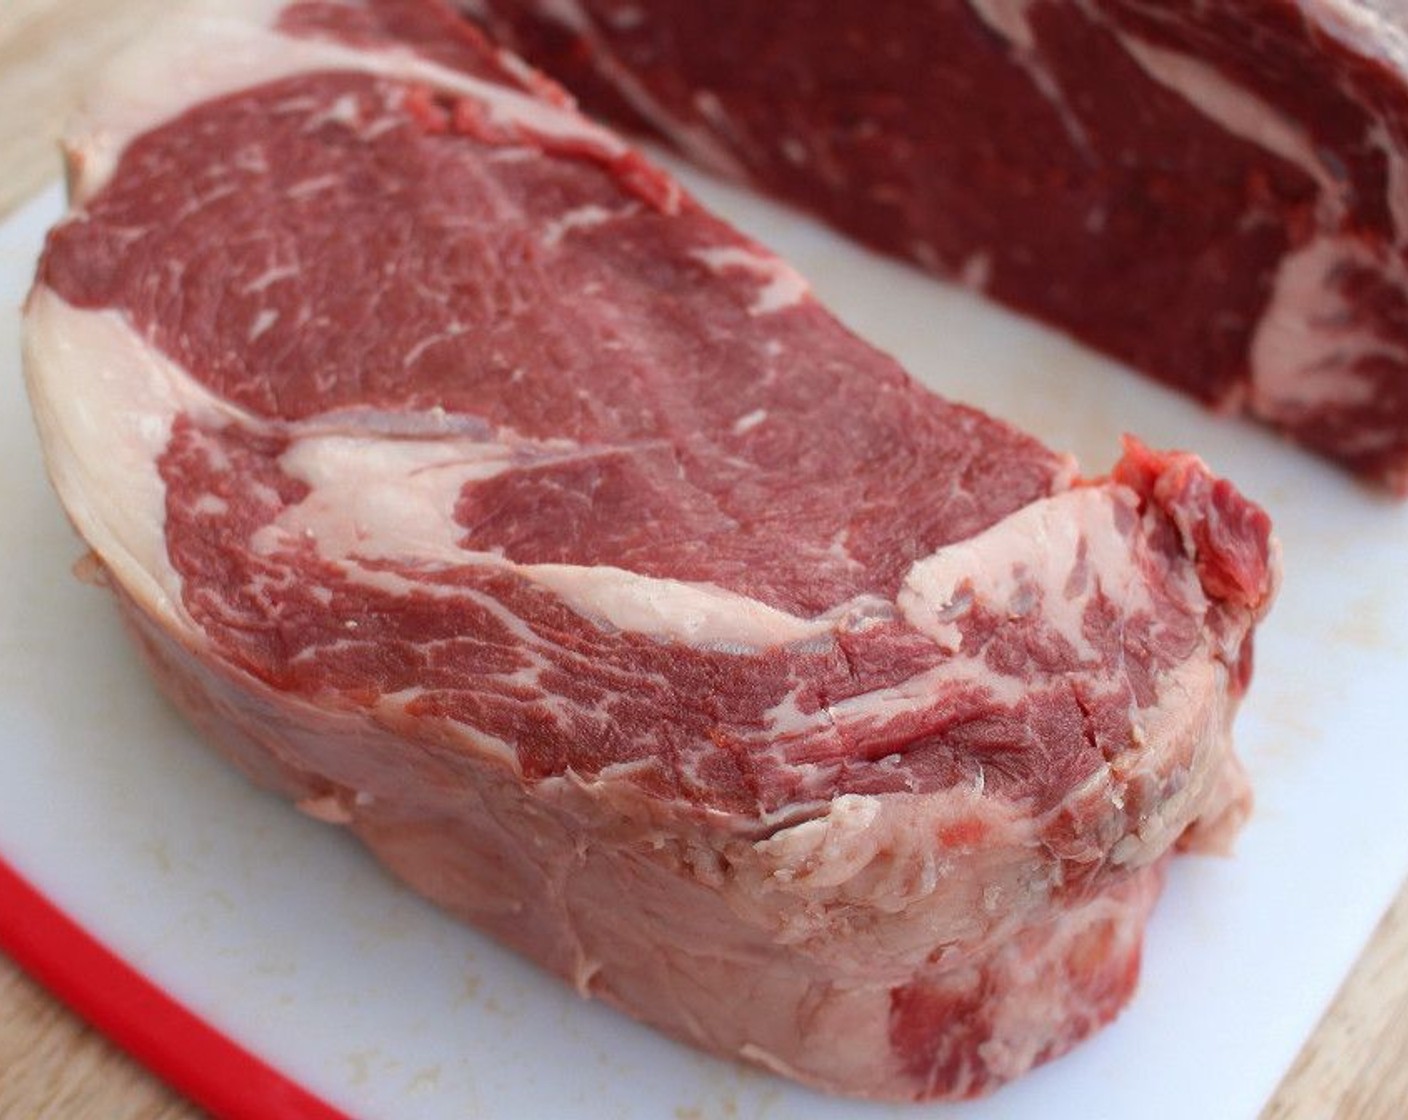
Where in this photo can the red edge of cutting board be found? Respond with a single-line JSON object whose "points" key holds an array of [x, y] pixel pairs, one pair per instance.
{"points": [[196, 1059]]}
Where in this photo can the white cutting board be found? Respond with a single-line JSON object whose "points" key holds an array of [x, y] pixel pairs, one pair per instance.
{"points": [[284, 935]]}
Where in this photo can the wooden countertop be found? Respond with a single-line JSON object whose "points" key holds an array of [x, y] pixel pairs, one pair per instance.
{"points": [[53, 1067]]}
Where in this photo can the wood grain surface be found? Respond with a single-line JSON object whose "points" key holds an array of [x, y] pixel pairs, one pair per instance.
{"points": [[54, 1067]]}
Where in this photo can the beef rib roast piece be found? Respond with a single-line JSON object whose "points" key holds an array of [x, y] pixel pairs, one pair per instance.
{"points": [[1215, 192], [462, 479]]}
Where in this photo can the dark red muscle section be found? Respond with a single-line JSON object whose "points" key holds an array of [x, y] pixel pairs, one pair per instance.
{"points": [[922, 133], [1056, 174]]}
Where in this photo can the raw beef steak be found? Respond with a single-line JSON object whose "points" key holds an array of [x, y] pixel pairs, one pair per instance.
{"points": [[462, 479], [1215, 192]]}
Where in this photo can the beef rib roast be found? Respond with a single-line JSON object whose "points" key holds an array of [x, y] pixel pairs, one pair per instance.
{"points": [[1214, 192]]}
